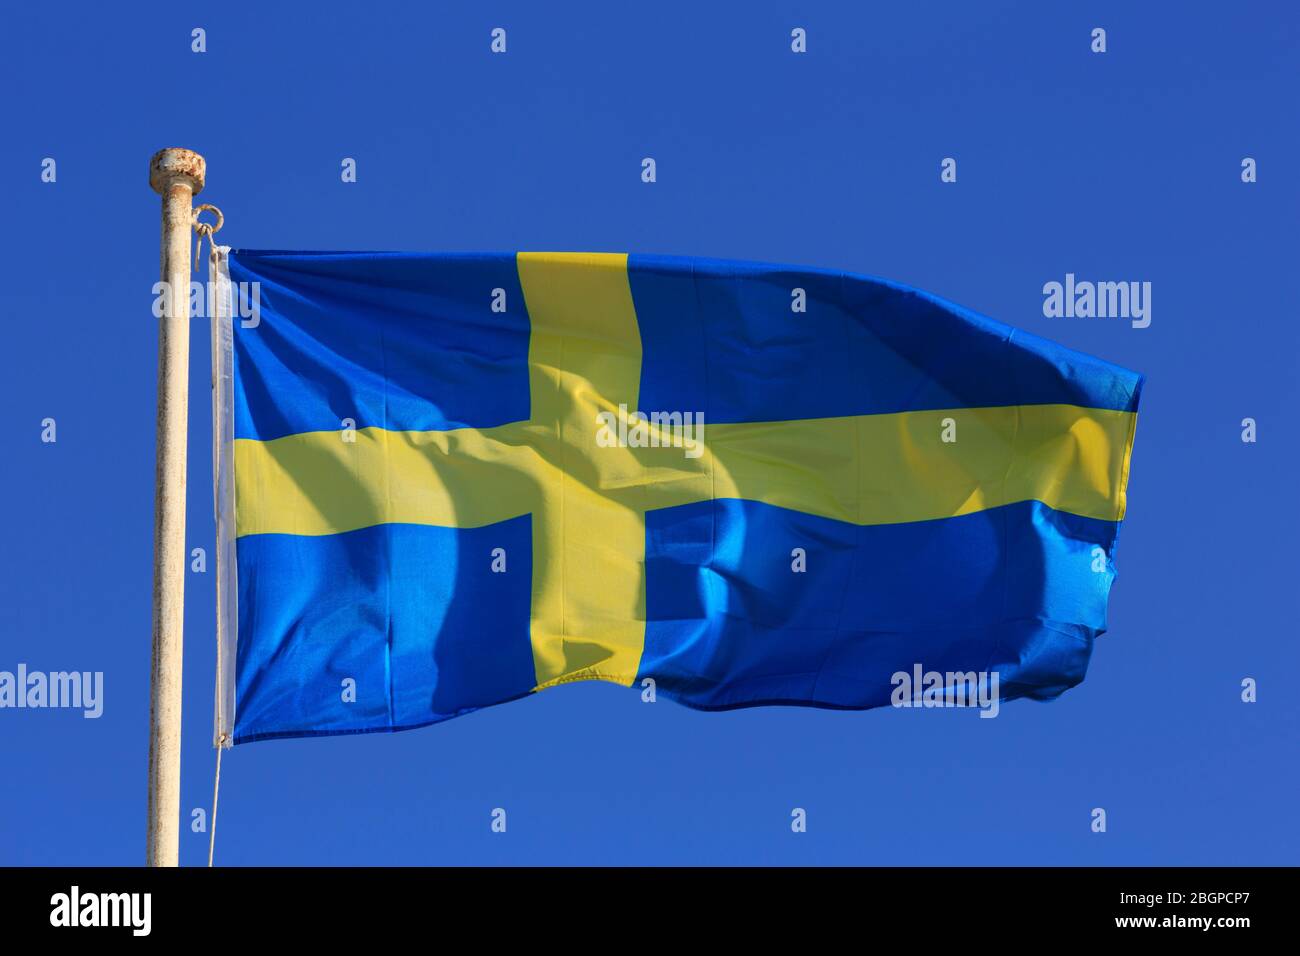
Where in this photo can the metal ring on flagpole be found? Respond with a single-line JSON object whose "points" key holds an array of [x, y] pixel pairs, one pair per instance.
{"points": [[205, 228]]}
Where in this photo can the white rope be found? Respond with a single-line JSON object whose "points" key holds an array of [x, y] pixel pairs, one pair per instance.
{"points": [[216, 790], [208, 231], [205, 230]]}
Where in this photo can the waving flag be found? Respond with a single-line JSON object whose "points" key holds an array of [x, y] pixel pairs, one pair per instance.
{"points": [[448, 481]]}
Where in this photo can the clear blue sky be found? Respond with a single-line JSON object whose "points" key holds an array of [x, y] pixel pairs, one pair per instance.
{"points": [[1122, 166]]}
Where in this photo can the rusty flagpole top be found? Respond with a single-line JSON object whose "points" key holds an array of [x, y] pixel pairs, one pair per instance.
{"points": [[168, 165]]}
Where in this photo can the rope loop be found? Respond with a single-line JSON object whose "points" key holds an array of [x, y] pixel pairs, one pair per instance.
{"points": [[205, 230]]}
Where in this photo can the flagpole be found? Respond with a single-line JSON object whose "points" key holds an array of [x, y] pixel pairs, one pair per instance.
{"points": [[177, 175]]}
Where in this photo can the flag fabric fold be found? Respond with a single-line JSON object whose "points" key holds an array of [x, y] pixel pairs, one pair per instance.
{"points": [[449, 481]]}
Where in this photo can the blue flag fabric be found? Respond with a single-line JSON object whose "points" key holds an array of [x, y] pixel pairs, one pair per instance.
{"points": [[448, 481]]}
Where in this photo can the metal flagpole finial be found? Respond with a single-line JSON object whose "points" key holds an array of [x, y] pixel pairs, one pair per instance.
{"points": [[168, 165]]}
